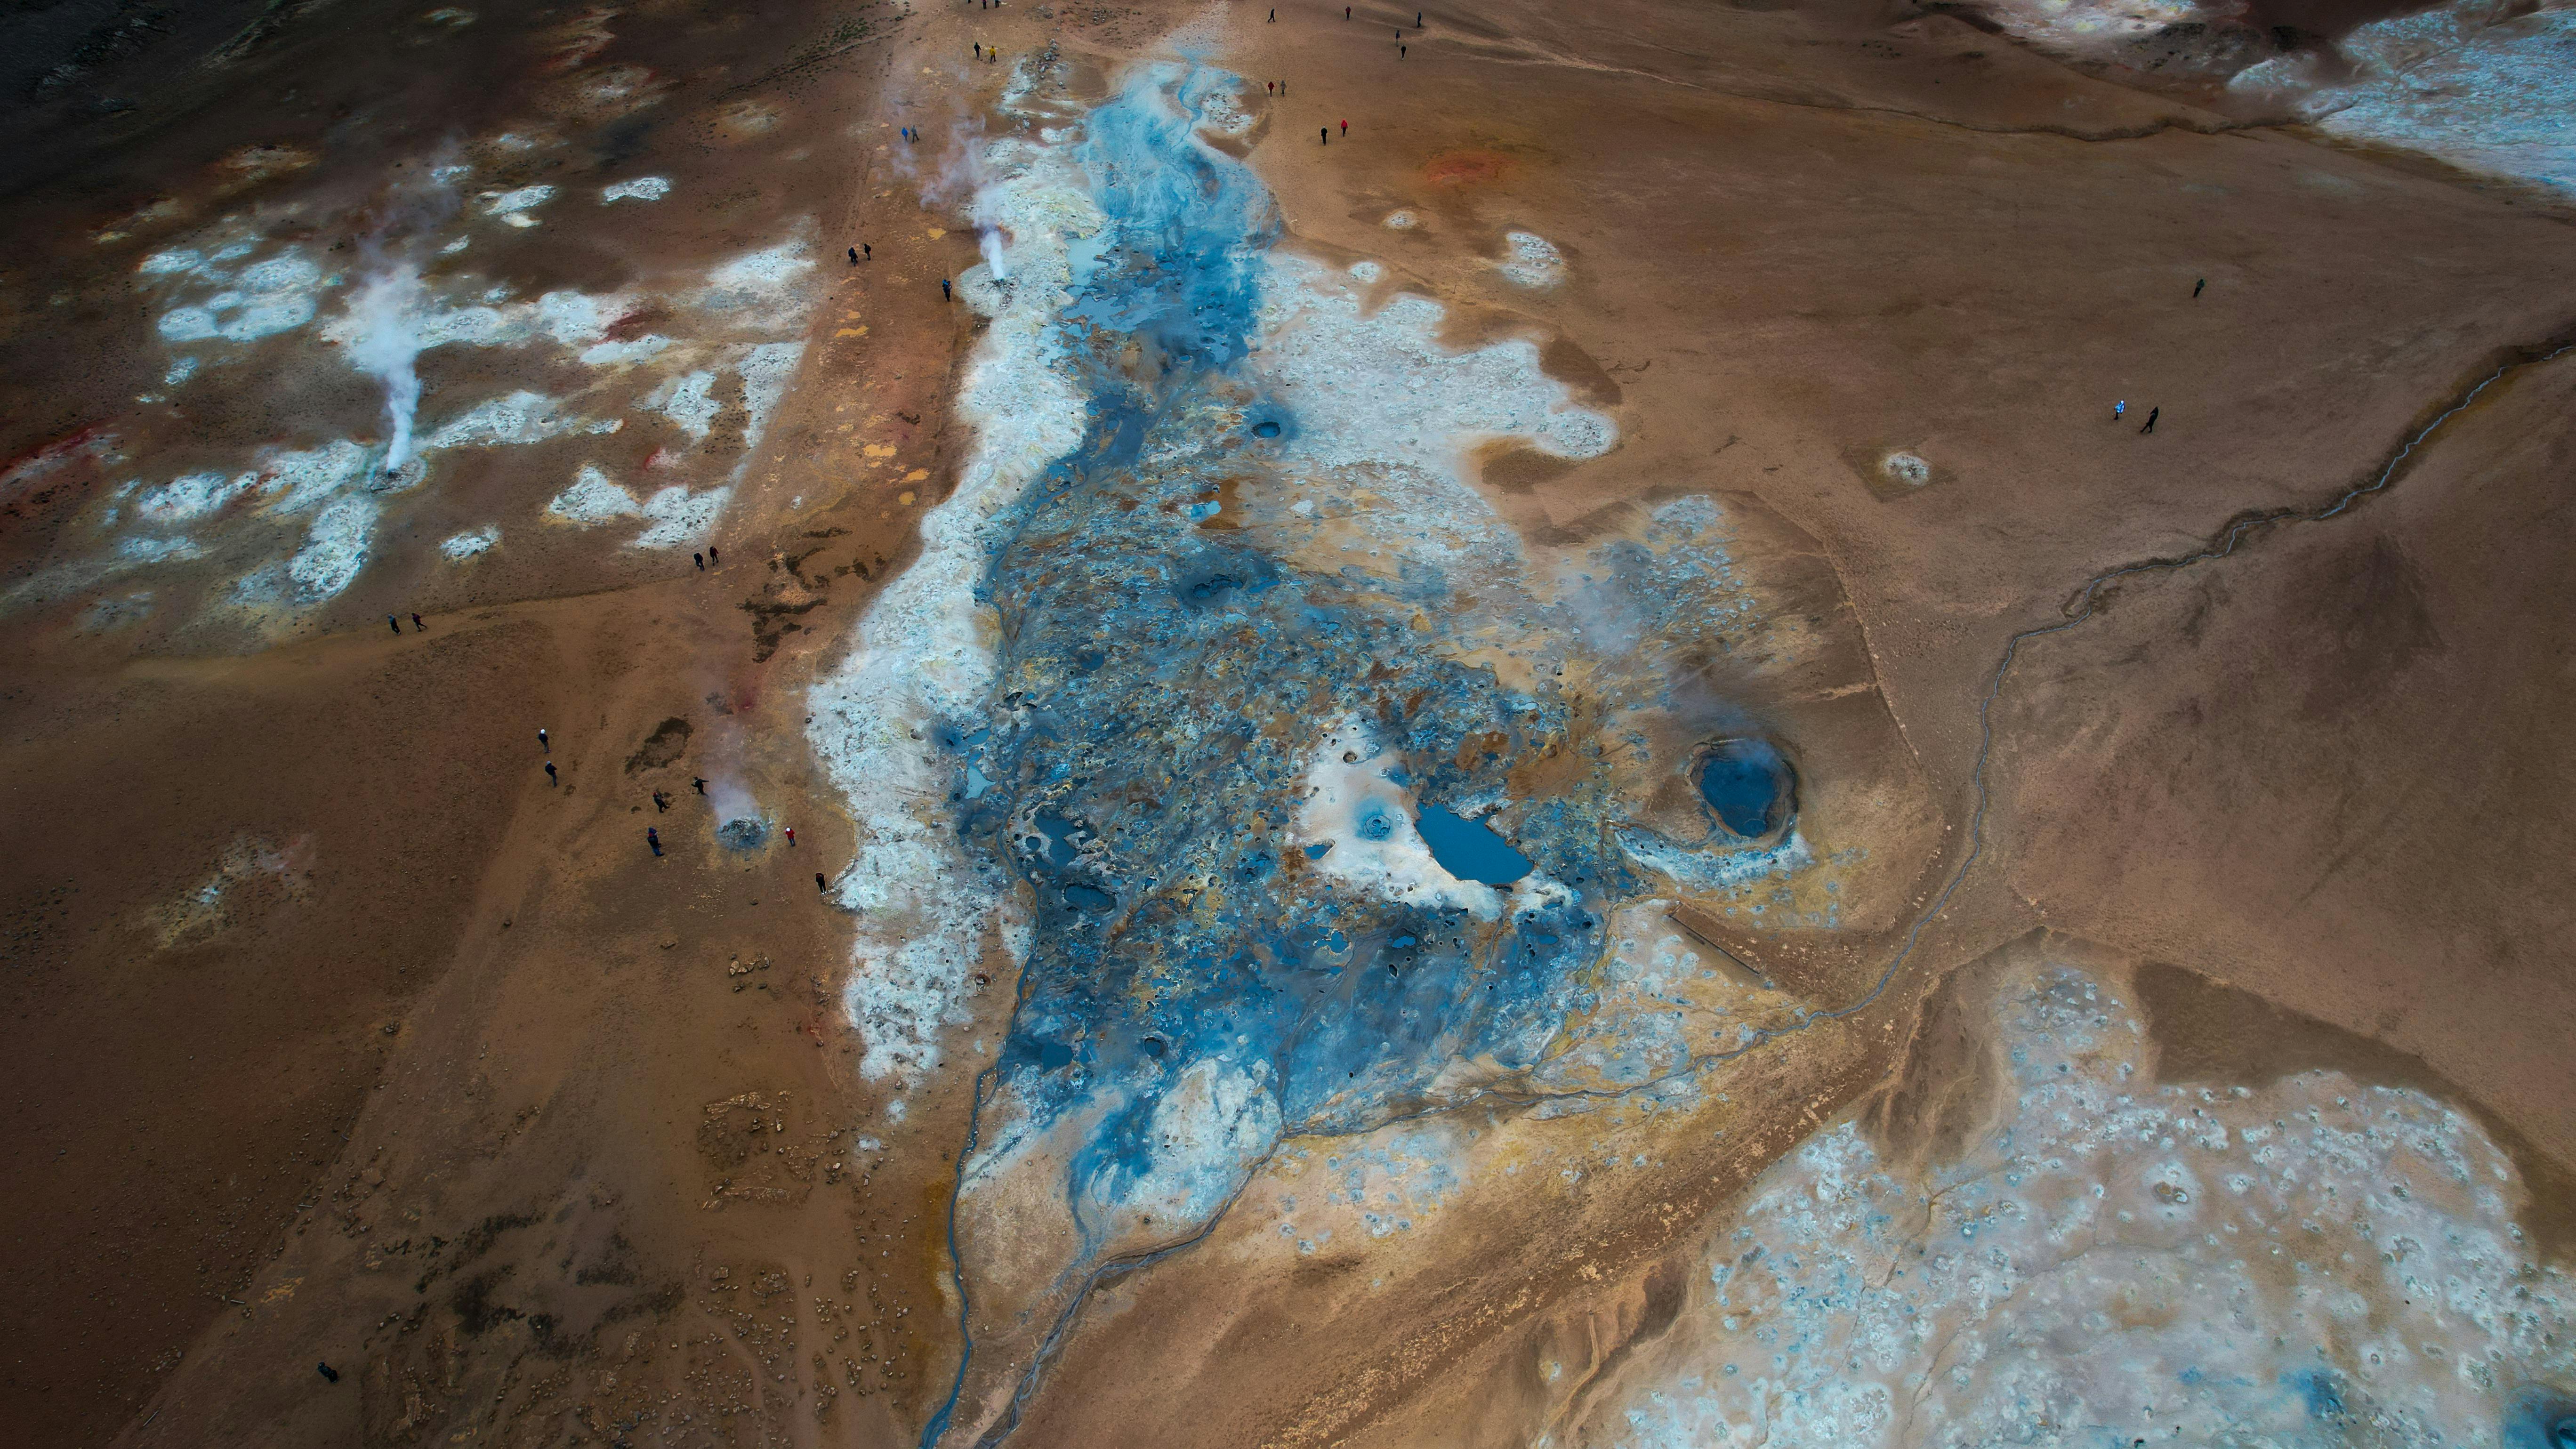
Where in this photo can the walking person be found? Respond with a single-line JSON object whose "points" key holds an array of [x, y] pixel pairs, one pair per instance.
{"points": [[791, 836], [1327, 133], [2196, 286], [818, 882], [393, 623], [854, 256], [711, 555], [867, 252], [550, 773], [661, 802], [1399, 52], [1346, 128], [418, 626], [2151, 420], [2119, 409], [945, 294], [653, 838], [701, 784], [542, 742], [700, 560], [329, 1374]]}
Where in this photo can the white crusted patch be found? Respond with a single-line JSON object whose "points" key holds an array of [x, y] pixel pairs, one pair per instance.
{"points": [[688, 400], [593, 499], [458, 547], [192, 497], [679, 515], [1364, 821], [512, 203], [642, 188], [295, 481], [925, 651], [766, 370], [1214, 1119], [1377, 387], [1533, 262], [2314, 1263], [520, 418], [764, 284], [335, 548]]}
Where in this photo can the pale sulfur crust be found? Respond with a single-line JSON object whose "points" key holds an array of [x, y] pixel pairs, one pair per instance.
{"points": [[2315, 1262]]}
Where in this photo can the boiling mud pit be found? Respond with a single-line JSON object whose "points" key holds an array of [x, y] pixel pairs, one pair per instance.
{"points": [[1205, 702]]}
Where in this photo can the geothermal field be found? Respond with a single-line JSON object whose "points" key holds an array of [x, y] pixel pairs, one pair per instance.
{"points": [[1663, 723]]}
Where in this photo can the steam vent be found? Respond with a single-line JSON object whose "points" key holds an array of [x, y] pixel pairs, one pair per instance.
{"points": [[1816, 724]]}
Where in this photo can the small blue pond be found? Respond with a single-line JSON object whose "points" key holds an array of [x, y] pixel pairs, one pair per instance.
{"points": [[1748, 784], [1469, 851]]}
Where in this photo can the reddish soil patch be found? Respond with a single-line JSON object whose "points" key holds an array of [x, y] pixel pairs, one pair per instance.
{"points": [[1476, 167]]}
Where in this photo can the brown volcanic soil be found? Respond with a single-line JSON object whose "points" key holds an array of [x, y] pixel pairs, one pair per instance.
{"points": [[594, 1184]]}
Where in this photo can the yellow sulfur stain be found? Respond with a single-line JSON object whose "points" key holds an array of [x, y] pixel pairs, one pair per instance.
{"points": [[936, 232], [904, 497], [879, 450], [916, 475], [851, 332]]}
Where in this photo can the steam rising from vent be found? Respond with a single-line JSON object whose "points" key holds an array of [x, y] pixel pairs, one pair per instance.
{"points": [[387, 312], [992, 245], [731, 800]]}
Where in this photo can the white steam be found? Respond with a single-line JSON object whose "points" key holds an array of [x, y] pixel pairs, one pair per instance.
{"points": [[731, 800], [385, 315], [992, 246]]}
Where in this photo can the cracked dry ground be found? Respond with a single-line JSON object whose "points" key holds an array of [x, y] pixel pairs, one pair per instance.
{"points": [[339, 1035]]}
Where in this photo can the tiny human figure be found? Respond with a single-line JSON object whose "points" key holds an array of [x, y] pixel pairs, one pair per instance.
{"points": [[329, 1374], [661, 802], [979, 50], [550, 773], [1271, 87], [946, 294], [791, 835], [2119, 409], [854, 256], [711, 554], [653, 838], [1327, 133], [818, 882], [1274, 17], [2196, 286], [1399, 52], [700, 560], [2151, 420], [1417, 20], [418, 626], [1346, 128], [393, 623], [1346, 12], [867, 251], [542, 742], [701, 784]]}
